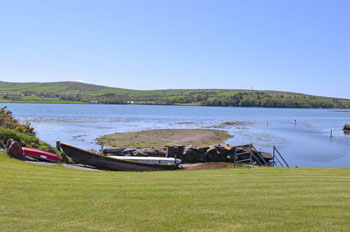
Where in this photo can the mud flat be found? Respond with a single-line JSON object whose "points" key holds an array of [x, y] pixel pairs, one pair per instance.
{"points": [[158, 138]]}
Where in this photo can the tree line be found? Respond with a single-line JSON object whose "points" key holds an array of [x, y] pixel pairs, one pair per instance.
{"points": [[239, 99]]}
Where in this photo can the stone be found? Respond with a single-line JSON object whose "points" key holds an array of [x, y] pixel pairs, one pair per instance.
{"points": [[139, 153], [173, 151], [113, 150], [229, 148], [213, 154], [191, 154], [266, 155], [154, 152]]}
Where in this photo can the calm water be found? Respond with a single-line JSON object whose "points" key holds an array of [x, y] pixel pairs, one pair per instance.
{"points": [[306, 143]]}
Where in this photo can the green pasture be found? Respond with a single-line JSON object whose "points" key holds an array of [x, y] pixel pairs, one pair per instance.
{"points": [[105, 94]]}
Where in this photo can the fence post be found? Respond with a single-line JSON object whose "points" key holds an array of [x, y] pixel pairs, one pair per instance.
{"points": [[234, 158], [58, 145], [101, 148], [251, 154]]}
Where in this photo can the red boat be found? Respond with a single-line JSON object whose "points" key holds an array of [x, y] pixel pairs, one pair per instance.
{"points": [[42, 155]]}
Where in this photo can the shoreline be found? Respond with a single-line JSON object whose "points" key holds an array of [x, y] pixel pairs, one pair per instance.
{"points": [[188, 105]]}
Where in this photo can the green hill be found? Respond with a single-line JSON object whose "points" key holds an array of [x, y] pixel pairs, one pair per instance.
{"points": [[77, 92]]}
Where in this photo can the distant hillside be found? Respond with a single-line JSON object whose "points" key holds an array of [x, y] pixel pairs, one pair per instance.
{"points": [[69, 87], [77, 92]]}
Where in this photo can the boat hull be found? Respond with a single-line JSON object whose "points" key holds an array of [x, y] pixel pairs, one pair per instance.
{"points": [[81, 156], [41, 155]]}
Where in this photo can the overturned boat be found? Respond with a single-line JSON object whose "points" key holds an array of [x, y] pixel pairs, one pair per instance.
{"points": [[119, 163], [41, 155], [15, 150]]}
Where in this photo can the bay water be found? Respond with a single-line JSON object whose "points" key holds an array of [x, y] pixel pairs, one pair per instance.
{"points": [[301, 135]]}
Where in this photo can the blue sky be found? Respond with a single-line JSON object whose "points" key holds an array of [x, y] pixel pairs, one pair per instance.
{"points": [[300, 45]]}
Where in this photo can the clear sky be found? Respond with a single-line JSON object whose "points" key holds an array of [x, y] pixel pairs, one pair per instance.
{"points": [[291, 45]]}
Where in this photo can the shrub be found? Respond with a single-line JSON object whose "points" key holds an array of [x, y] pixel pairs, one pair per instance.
{"points": [[6, 134], [44, 146], [65, 158], [346, 127], [7, 121]]}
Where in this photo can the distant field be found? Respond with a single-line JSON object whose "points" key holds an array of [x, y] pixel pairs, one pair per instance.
{"points": [[40, 198], [76, 92]]}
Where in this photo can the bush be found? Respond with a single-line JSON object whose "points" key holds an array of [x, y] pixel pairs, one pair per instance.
{"points": [[6, 134], [346, 127], [7, 121], [44, 146], [65, 158]]}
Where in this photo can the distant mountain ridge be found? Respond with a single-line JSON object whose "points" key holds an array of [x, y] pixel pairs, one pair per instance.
{"points": [[78, 92]]}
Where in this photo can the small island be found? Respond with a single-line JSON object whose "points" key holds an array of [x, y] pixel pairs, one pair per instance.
{"points": [[158, 138]]}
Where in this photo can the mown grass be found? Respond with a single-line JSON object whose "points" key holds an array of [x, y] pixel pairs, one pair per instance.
{"points": [[41, 198]]}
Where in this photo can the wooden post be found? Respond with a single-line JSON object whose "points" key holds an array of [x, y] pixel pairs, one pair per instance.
{"points": [[331, 134], [234, 158], [167, 152], [101, 148], [251, 155], [58, 145]]}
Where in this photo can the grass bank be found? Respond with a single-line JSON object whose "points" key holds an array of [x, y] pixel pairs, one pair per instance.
{"points": [[157, 138], [41, 198]]}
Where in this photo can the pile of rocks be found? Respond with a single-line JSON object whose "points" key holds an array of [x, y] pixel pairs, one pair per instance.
{"points": [[192, 154]]}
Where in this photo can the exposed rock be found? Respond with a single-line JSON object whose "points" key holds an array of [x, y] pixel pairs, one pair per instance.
{"points": [[203, 148], [127, 152], [266, 155], [139, 153], [191, 154], [176, 150], [93, 151], [173, 145], [189, 149], [113, 150], [229, 148], [213, 154], [154, 152], [203, 152]]}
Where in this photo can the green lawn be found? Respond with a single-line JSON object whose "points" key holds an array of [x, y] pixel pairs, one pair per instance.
{"points": [[40, 198]]}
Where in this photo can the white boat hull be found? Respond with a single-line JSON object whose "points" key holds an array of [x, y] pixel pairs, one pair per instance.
{"points": [[148, 160]]}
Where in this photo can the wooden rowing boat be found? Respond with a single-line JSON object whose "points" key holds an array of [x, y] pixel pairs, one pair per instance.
{"points": [[100, 161]]}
